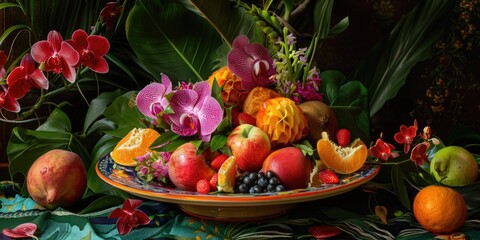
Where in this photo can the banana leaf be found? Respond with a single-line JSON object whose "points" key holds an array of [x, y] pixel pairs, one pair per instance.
{"points": [[385, 69], [169, 38]]}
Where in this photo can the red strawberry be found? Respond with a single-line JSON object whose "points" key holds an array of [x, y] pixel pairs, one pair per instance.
{"points": [[328, 176], [218, 161], [245, 118], [213, 182], [343, 137], [203, 186]]}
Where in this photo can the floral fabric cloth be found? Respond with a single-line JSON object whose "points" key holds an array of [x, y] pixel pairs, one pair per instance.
{"points": [[354, 219]]}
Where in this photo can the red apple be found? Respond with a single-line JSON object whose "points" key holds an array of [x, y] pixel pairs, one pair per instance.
{"points": [[57, 178], [250, 146], [186, 168], [290, 166]]}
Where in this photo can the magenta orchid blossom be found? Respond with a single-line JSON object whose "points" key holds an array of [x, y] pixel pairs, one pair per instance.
{"points": [[91, 50], [406, 136], [110, 13], [251, 62], [24, 230], [382, 150], [25, 77], [57, 55], [129, 217], [151, 100], [8, 102], [195, 111], [3, 61]]}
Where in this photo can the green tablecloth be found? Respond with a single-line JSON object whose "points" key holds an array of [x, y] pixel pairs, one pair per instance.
{"points": [[350, 212]]}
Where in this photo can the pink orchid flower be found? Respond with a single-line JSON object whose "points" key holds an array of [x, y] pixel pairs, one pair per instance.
{"points": [[419, 153], [406, 136], [151, 100], [24, 230], [58, 55], [195, 111], [24, 77], [3, 61], [91, 50], [251, 62], [129, 217], [8, 102], [383, 150], [109, 13]]}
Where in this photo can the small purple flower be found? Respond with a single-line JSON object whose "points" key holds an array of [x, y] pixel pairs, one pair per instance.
{"points": [[195, 111], [151, 99], [251, 62]]}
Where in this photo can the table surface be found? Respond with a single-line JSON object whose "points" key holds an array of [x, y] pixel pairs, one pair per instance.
{"points": [[351, 212]]}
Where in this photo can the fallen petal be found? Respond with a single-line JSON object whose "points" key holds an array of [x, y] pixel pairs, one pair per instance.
{"points": [[381, 212], [320, 232], [23, 230]]}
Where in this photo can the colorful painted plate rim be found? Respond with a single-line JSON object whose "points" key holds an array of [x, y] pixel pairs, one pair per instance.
{"points": [[124, 178]]}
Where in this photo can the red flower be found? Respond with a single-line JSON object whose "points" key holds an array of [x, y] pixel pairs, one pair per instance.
{"points": [[251, 62], [58, 55], [91, 50], [129, 217], [24, 77], [8, 102], [24, 230], [383, 150], [406, 136], [3, 60], [427, 133], [419, 153], [109, 14]]}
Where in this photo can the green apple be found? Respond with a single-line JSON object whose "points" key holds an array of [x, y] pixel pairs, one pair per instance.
{"points": [[454, 166]]}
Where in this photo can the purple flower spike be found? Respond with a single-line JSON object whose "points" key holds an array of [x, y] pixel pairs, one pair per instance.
{"points": [[251, 62], [151, 99], [195, 111]]}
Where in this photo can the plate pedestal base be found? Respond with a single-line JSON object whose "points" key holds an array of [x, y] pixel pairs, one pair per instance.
{"points": [[237, 213]]}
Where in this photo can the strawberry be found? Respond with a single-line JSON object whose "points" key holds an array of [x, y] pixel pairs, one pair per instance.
{"points": [[328, 176], [203, 186], [213, 182], [343, 137], [218, 161], [245, 118]]}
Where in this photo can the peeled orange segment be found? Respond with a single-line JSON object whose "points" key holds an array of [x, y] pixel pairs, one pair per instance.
{"points": [[227, 174], [135, 144], [343, 160]]}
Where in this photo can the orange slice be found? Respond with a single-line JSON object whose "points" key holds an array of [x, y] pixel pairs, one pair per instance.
{"points": [[135, 144], [227, 174], [343, 160]]}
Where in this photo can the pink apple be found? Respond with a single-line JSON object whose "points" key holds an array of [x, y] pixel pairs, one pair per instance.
{"points": [[290, 166], [250, 146], [186, 168]]}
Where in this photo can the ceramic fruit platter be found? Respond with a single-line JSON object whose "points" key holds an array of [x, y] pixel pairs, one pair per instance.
{"points": [[228, 206]]}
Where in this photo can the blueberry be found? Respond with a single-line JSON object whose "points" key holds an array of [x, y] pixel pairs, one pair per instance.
{"points": [[271, 188], [270, 174], [257, 189], [242, 188], [262, 182], [248, 181], [279, 188], [273, 181], [253, 176]]}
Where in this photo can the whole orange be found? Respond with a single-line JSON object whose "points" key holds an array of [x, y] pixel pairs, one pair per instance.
{"points": [[439, 209]]}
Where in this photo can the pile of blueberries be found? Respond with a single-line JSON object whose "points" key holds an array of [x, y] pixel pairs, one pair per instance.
{"points": [[253, 182]]}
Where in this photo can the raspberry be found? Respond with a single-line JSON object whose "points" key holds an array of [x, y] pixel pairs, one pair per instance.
{"points": [[203, 186]]}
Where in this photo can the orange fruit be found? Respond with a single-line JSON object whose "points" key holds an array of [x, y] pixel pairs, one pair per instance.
{"points": [[255, 99], [135, 144], [439, 209], [343, 160], [232, 92], [282, 120], [227, 174]]}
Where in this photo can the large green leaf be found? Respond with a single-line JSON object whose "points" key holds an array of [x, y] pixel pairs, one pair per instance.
{"points": [[97, 107], [387, 66], [124, 115], [170, 39], [229, 21]]}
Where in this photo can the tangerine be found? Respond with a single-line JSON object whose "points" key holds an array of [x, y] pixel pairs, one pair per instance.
{"points": [[227, 174], [343, 160], [439, 209], [135, 144]]}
